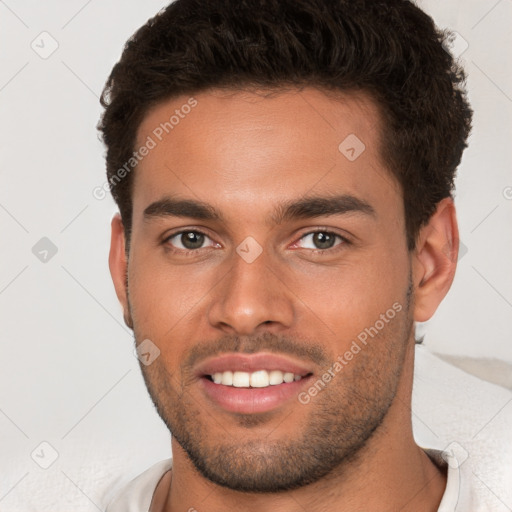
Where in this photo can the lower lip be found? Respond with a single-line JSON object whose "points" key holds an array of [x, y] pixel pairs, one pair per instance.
{"points": [[252, 400]]}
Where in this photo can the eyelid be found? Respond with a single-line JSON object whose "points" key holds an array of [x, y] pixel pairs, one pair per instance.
{"points": [[345, 240], [167, 238]]}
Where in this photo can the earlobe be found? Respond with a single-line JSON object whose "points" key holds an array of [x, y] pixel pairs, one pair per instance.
{"points": [[118, 265], [435, 260]]}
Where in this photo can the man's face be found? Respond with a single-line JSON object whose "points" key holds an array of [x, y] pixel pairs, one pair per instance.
{"points": [[263, 272]]}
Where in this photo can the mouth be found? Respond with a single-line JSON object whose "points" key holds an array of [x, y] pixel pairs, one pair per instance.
{"points": [[251, 383]]}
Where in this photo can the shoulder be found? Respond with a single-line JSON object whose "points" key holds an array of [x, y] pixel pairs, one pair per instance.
{"points": [[136, 496], [469, 420]]}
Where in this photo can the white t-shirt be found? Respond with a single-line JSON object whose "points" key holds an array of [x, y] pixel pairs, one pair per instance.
{"points": [[459, 421], [138, 494]]}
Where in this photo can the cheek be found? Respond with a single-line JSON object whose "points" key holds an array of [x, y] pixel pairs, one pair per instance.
{"points": [[353, 296], [164, 298]]}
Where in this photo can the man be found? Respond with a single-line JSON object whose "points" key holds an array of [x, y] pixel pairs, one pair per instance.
{"points": [[284, 172]]}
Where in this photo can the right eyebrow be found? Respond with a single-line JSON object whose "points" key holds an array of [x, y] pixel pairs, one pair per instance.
{"points": [[171, 207]]}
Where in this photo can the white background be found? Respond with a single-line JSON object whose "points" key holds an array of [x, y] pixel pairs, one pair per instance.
{"points": [[67, 372]]}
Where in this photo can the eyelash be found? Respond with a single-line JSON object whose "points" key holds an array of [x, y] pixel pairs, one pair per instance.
{"points": [[183, 252], [190, 252], [343, 241]]}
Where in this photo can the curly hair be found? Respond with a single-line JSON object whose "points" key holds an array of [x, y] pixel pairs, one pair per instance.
{"points": [[389, 49]]}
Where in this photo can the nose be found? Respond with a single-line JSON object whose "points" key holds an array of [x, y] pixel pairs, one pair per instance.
{"points": [[251, 298]]}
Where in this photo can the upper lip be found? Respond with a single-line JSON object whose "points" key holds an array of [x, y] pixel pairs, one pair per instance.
{"points": [[250, 363]]}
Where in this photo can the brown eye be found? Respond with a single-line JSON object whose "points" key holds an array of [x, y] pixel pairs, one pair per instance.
{"points": [[192, 240], [321, 240], [188, 240], [324, 240]]}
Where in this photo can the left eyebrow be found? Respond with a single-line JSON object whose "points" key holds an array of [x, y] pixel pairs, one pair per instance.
{"points": [[311, 207]]}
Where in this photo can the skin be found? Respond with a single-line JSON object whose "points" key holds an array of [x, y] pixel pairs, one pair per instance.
{"points": [[245, 153]]}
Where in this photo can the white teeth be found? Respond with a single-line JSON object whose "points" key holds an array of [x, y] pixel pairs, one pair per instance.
{"points": [[227, 378], [275, 377], [257, 379], [241, 379]]}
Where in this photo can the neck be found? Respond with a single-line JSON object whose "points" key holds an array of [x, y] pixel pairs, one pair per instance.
{"points": [[390, 469]]}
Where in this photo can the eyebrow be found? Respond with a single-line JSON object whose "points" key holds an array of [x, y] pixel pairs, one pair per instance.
{"points": [[311, 207], [172, 207], [307, 207]]}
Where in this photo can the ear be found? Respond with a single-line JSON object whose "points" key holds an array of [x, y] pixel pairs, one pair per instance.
{"points": [[435, 260], [118, 265]]}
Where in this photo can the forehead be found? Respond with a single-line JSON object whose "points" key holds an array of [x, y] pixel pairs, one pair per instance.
{"points": [[252, 149]]}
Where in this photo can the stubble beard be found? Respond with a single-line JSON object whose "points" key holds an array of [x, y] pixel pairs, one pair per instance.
{"points": [[337, 424]]}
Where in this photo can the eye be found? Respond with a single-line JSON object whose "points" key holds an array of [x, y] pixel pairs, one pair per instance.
{"points": [[188, 240], [320, 240]]}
